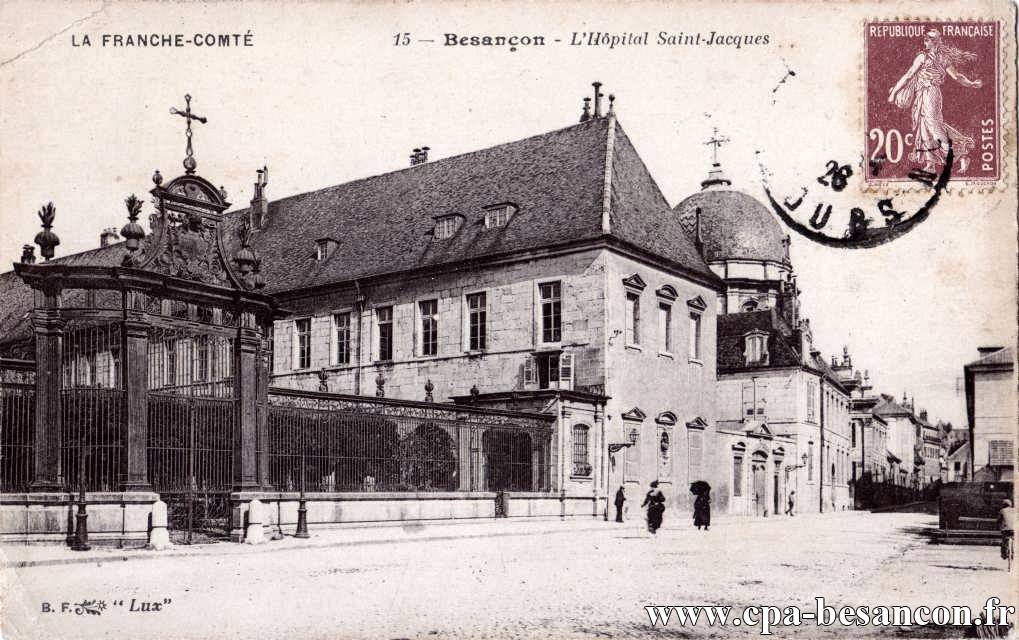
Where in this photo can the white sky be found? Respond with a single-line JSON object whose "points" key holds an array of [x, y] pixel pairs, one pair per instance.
{"points": [[324, 97]]}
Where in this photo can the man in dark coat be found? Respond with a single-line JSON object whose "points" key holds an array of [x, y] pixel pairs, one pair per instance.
{"points": [[620, 499], [702, 510]]}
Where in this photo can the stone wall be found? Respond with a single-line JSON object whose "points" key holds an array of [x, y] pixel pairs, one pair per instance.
{"points": [[512, 330]]}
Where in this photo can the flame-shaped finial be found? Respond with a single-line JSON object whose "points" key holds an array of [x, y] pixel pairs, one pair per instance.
{"points": [[46, 239]]}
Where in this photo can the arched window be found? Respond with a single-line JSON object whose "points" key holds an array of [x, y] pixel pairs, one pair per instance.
{"points": [[581, 463], [756, 347], [749, 305]]}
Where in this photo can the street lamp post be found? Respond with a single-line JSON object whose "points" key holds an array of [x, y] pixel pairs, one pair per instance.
{"points": [[81, 518], [302, 506], [615, 447]]}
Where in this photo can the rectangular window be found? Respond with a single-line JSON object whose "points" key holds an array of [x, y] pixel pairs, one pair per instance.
{"points": [[498, 216], [477, 320], [271, 348], [384, 321], [551, 312], [665, 325], [581, 466], [202, 358], [811, 401], [303, 327], [695, 336], [548, 370], [737, 475], [632, 318], [171, 363], [810, 461], [428, 310], [341, 338], [445, 227]]}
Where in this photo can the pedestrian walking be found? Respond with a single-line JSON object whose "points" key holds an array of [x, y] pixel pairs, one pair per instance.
{"points": [[620, 499], [655, 503], [702, 510], [790, 510], [1006, 523]]}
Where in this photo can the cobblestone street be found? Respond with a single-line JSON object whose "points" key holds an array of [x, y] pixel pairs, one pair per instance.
{"points": [[542, 579]]}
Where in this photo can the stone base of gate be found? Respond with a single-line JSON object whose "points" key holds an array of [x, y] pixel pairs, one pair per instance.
{"points": [[119, 519], [329, 510]]}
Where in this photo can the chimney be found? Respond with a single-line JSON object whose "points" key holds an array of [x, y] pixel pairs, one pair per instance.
{"points": [[597, 99], [27, 254], [986, 351], [419, 156], [108, 237], [259, 211]]}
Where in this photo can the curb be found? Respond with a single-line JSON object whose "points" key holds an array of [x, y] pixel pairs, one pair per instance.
{"points": [[241, 549]]}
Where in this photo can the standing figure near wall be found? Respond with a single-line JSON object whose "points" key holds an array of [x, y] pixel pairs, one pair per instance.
{"points": [[655, 503]]}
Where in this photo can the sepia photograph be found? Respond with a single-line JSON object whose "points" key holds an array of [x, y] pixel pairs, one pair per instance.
{"points": [[524, 319]]}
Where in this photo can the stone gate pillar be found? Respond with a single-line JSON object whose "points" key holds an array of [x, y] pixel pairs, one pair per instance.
{"points": [[48, 327], [245, 396], [135, 358], [262, 410]]}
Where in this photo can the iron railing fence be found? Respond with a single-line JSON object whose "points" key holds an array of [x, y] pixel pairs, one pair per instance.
{"points": [[319, 448], [17, 425]]}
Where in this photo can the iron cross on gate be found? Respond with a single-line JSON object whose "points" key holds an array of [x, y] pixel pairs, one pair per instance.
{"points": [[189, 162]]}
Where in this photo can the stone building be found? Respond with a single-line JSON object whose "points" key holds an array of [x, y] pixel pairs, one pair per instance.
{"points": [[783, 413], [905, 440], [519, 330], [991, 412]]}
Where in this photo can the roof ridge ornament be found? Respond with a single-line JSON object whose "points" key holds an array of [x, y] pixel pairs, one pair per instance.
{"points": [[715, 177], [46, 239], [190, 164]]}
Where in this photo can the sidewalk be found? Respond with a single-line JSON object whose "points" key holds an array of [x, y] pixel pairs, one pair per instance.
{"points": [[24, 556], [21, 556]]}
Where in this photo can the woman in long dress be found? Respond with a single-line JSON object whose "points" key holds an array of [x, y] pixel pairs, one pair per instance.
{"points": [[920, 88], [655, 503], [702, 510]]}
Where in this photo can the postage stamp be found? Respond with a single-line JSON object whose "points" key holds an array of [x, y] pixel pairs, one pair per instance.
{"points": [[927, 83]]}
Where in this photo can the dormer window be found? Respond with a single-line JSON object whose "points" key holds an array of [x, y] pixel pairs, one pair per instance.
{"points": [[446, 226], [324, 248], [756, 348], [499, 215]]}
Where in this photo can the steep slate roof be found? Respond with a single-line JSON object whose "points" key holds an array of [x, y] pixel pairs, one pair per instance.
{"points": [[734, 326], [384, 223]]}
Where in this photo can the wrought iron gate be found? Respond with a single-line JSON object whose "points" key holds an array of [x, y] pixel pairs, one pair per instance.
{"points": [[191, 408]]}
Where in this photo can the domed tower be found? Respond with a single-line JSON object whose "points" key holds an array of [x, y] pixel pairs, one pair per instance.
{"points": [[742, 242]]}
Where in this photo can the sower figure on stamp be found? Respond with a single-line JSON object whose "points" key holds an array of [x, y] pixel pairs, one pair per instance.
{"points": [[920, 88], [620, 499]]}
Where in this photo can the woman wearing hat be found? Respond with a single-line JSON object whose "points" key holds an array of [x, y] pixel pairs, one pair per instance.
{"points": [[655, 503]]}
